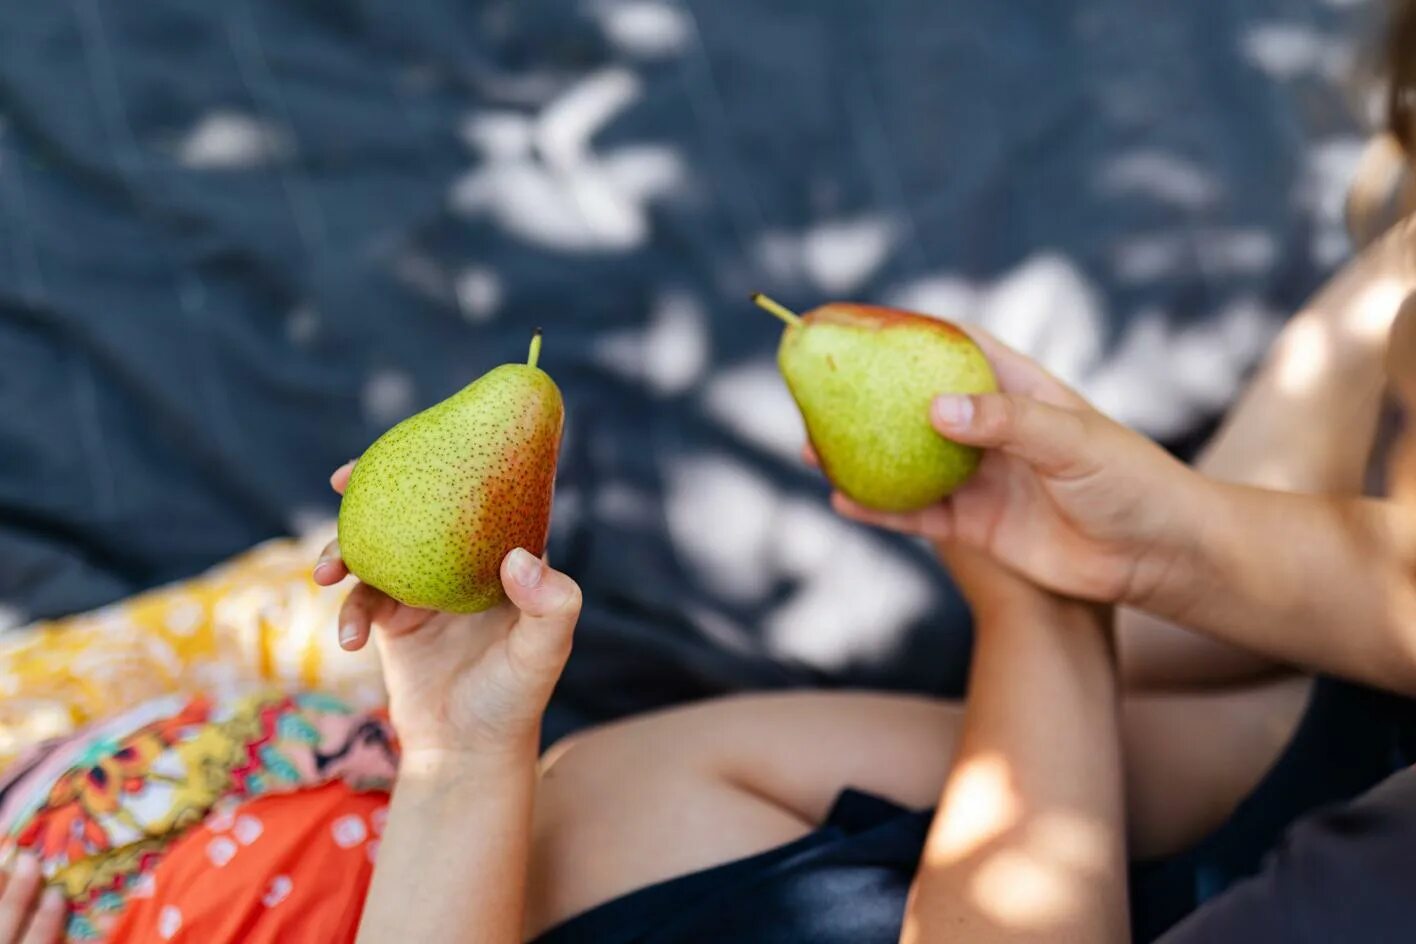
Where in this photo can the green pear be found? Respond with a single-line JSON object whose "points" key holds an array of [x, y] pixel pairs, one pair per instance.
{"points": [[863, 377], [437, 501]]}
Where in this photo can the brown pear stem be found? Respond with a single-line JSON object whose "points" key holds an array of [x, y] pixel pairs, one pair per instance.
{"points": [[535, 354], [776, 308]]}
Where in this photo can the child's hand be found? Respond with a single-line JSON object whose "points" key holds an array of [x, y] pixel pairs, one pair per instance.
{"points": [[461, 683], [1065, 496], [26, 915]]}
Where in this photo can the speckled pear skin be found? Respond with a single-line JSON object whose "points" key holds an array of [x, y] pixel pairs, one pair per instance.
{"points": [[863, 377], [437, 501]]}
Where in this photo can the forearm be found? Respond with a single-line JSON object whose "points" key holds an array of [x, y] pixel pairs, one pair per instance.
{"points": [[453, 858], [1027, 844], [1321, 582], [1305, 423]]}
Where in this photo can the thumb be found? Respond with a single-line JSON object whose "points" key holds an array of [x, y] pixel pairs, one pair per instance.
{"points": [[1057, 441], [549, 602]]}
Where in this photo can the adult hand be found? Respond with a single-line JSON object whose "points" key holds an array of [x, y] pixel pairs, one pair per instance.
{"points": [[463, 683], [1064, 496]]}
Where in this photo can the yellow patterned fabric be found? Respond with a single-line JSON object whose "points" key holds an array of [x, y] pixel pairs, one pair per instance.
{"points": [[257, 620]]}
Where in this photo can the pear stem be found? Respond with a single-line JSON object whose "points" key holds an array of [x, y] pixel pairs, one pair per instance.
{"points": [[776, 308], [535, 354]]}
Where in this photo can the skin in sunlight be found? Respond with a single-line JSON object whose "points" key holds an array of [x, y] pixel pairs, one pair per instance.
{"points": [[1037, 884], [983, 792], [1034, 882]]}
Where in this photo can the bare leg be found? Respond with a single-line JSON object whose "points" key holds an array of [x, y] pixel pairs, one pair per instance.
{"points": [[670, 793], [1306, 423]]}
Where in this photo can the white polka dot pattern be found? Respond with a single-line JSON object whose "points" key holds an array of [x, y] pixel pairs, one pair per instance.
{"points": [[348, 831], [169, 922]]}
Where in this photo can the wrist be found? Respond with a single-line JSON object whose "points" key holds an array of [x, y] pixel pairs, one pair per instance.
{"points": [[1029, 605], [436, 763], [1167, 580]]}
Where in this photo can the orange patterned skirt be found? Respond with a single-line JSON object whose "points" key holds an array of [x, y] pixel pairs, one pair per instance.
{"points": [[282, 869]]}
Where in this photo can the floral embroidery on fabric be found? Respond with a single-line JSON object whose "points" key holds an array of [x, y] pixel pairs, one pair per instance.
{"points": [[104, 819], [256, 621]]}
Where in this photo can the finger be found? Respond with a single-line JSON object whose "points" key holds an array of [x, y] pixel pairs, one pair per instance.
{"points": [[48, 921], [549, 602], [367, 606], [1019, 374], [357, 615], [808, 455], [339, 481], [1056, 441], [399, 619], [330, 569], [935, 522], [18, 897]]}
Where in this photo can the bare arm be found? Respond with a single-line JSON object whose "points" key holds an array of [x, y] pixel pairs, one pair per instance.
{"points": [[453, 856], [1028, 842], [1322, 582], [466, 696], [1306, 423]]}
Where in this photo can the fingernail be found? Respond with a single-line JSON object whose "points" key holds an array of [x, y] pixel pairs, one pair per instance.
{"points": [[953, 410], [52, 898], [26, 865], [525, 568], [348, 633]]}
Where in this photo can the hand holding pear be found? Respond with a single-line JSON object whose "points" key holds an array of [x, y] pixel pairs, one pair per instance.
{"points": [[436, 503]]}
